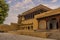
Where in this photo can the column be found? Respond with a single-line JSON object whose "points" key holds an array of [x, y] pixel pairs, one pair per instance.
{"points": [[48, 25], [58, 20]]}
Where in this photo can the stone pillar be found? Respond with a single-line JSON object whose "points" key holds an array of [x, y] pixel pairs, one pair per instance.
{"points": [[58, 20], [54, 24], [19, 19], [35, 24], [48, 25]]}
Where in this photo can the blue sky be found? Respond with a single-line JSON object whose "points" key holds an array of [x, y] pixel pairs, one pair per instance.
{"points": [[19, 6]]}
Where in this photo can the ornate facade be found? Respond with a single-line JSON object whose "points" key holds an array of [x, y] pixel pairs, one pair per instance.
{"points": [[40, 18]]}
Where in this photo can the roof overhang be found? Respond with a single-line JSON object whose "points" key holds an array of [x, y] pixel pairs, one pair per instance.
{"points": [[36, 8], [49, 13]]}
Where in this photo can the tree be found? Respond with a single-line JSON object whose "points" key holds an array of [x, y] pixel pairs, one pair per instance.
{"points": [[3, 10]]}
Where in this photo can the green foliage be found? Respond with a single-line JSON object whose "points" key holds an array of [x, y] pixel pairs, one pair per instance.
{"points": [[3, 10]]}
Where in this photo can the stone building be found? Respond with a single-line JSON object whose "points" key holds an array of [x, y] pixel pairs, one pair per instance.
{"points": [[40, 18], [4, 28], [39, 21]]}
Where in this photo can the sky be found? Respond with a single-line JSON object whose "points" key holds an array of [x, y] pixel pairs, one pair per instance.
{"points": [[17, 7]]}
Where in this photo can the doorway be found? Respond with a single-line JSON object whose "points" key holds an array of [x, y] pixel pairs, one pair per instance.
{"points": [[52, 24]]}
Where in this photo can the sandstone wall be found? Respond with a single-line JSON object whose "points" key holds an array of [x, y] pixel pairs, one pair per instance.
{"points": [[30, 33]]}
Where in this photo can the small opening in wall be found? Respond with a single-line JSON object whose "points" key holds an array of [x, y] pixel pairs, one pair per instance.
{"points": [[31, 27], [28, 28]]}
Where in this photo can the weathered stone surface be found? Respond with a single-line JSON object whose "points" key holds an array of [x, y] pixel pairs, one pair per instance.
{"points": [[6, 36]]}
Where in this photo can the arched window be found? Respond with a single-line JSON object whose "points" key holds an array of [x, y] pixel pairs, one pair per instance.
{"points": [[31, 27], [28, 28]]}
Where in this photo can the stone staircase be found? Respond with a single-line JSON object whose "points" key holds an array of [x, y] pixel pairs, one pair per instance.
{"points": [[54, 34]]}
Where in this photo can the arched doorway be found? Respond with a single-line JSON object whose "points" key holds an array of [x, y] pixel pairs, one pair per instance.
{"points": [[52, 23], [51, 26]]}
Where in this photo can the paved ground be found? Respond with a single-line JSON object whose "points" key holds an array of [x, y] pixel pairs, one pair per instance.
{"points": [[6, 36]]}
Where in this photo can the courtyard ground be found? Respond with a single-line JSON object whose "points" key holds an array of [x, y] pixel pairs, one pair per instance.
{"points": [[8, 36]]}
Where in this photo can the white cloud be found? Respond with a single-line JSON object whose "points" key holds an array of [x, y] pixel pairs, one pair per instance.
{"points": [[51, 6], [9, 1], [23, 5], [15, 0], [11, 18], [27, 1], [19, 7], [54, 1]]}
